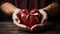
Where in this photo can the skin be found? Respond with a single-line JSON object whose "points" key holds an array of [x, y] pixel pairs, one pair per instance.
{"points": [[52, 9], [9, 8]]}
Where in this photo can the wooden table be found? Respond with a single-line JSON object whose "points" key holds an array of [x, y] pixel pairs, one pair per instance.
{"points": [[7, 27]]}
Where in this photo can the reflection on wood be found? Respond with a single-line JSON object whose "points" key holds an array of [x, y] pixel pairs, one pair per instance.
{"points": [[7, 27]]}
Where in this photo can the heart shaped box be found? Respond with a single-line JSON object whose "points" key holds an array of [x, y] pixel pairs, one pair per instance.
{"points": [[30, 18]]}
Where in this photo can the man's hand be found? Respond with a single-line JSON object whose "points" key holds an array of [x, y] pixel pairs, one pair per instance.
{"points": [[43, 20], [16, 20]]}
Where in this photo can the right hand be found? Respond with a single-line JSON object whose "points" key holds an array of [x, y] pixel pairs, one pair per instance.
{"points": [[16, 20]]}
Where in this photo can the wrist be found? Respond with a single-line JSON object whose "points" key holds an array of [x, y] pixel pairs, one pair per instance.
{"points": [[16, 10], [14, 13]]}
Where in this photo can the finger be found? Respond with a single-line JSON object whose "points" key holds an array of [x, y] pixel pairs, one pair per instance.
{"points": [[28, 29], [44, 15], [16, 21], [40, 24], [33, 27]]}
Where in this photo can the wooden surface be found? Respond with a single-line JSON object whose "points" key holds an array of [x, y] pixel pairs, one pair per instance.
{"points": [[7, 27]]}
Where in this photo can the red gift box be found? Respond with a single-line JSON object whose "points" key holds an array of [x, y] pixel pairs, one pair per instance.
{"points": [[30, 18]]}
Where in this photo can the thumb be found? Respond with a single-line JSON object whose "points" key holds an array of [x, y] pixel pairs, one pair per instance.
{"points": [[33, 27]]}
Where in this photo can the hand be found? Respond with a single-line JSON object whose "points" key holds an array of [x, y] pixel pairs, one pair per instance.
{"points": [[43, 20], [33, 27], [16, 20]]}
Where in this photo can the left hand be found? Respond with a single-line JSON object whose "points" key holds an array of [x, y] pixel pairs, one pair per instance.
{"points": [[43, 20]]}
